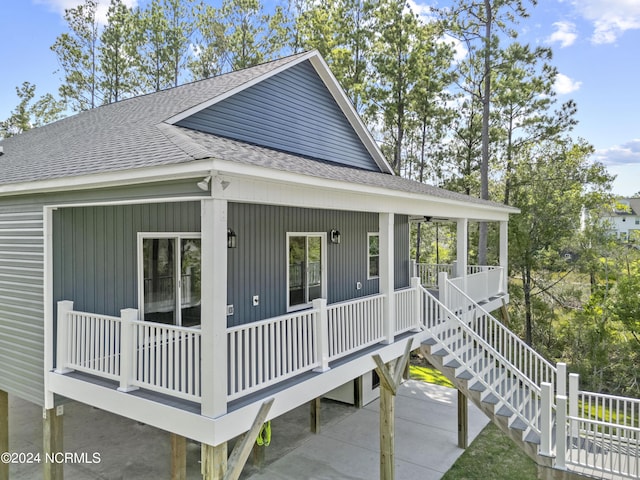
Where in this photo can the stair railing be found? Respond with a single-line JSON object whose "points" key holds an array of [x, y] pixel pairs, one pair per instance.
{"points": [[495, 372], [518, 353]]}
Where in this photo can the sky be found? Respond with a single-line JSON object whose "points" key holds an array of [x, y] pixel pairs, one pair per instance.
{"points": [[596, 49]]}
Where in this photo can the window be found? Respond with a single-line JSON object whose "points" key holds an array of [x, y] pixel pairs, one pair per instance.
{"points": [[373, 264], [306, 275], [169, 278]]}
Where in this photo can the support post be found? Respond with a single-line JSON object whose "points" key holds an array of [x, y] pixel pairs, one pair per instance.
{"points": [[390, 377], [178, 457], [214, 307], [314, 417], [561, 432], [504, 254], [62, 336], [52, 442], [127, 317], [561, 379], [463, 421], [443, 291], [213, 461], [462, 247], [386, 281], [4, 433], [417, 304], [574, 381], [322, 334], [545, 419]]}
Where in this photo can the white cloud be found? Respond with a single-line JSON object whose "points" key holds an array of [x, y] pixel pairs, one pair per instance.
{"points": [[565, 34], [625, 154], [564, 84], [610, 18], [101, 13]]}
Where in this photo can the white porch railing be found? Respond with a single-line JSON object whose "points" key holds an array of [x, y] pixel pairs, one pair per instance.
{"points": [[354, 325], [263, 353], [428, 273], [484, 284], [602, 432], [162, 358], [166, 358]]}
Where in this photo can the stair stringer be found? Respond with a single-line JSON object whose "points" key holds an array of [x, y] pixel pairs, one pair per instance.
{"points": [[502, 422]]}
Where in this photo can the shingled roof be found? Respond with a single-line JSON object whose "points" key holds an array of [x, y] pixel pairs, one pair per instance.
{"points": [[136, 133]]}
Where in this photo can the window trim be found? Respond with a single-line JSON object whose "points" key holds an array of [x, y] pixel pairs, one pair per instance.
{"points": [[323, 267], [177, 255], [369, 256]]}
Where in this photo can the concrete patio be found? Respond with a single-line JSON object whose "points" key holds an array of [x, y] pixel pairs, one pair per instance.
{"points": [[345, 449]]}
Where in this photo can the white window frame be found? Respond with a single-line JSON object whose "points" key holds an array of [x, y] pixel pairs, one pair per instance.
{"points": [[177, 255], [323, 267], [369, 256]]}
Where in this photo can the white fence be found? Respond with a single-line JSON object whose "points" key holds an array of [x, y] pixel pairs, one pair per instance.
{"points": [[598, 433], [162, 358], [485, 283], [354, 325], [428, 273], [166, 358], [263, 353]]}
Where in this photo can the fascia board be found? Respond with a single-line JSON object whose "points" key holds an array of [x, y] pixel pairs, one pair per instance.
{"points": [[380, 195], [332, 84], [110, 179]]}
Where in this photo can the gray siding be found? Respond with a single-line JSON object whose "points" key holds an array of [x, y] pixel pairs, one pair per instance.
{"points": [[22, 277], [258, 265], [293, 112], [21, 301], [95, 258]]}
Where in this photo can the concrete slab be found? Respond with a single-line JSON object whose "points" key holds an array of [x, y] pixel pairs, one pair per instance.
{"points": [[346, 448]]}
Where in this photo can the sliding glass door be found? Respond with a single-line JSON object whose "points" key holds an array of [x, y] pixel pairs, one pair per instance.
{"points": [[169, 269], [306, 268]]}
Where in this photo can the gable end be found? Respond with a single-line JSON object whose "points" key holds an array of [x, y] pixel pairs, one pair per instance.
{"points": [[292, 111]]}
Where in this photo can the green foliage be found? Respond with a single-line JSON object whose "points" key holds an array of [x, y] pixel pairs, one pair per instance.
{"points": [[29, 114]]}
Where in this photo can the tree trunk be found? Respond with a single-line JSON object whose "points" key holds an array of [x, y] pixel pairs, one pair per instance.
{"points": [[526, 289], [484, 165]]}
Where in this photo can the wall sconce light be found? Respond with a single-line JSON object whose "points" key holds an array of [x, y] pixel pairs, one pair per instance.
{"points": [[231, 238], [204, 183], [334, 235]]}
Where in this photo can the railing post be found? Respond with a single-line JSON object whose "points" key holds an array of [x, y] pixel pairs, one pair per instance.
{"points": [[322, 334], [561, 432], [127, 317], [443, 291], [417, 304], [545, 419], [414, 269], [574, 381], [454, 269], [561, 379], [62, 336]]}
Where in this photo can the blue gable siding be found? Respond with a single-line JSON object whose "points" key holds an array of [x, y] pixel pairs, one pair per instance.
{"points": [[292, 111]]}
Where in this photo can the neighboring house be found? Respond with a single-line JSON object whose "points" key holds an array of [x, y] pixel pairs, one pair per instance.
{"points": [[179, 257], [623, 220]]}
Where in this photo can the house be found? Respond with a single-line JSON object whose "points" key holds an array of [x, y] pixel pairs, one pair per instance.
{"points": [[186, 257], [623, 220]]}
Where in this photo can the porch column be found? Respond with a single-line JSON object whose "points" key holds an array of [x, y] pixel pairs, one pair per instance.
{"points": [[504, 253], [52, 442], [387, 270], [4, 432], [214, 307], [462, 247]]}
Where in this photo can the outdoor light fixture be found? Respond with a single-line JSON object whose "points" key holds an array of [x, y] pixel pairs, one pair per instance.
{"points": [[231, 238], [334, 235], [204, 183]]}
